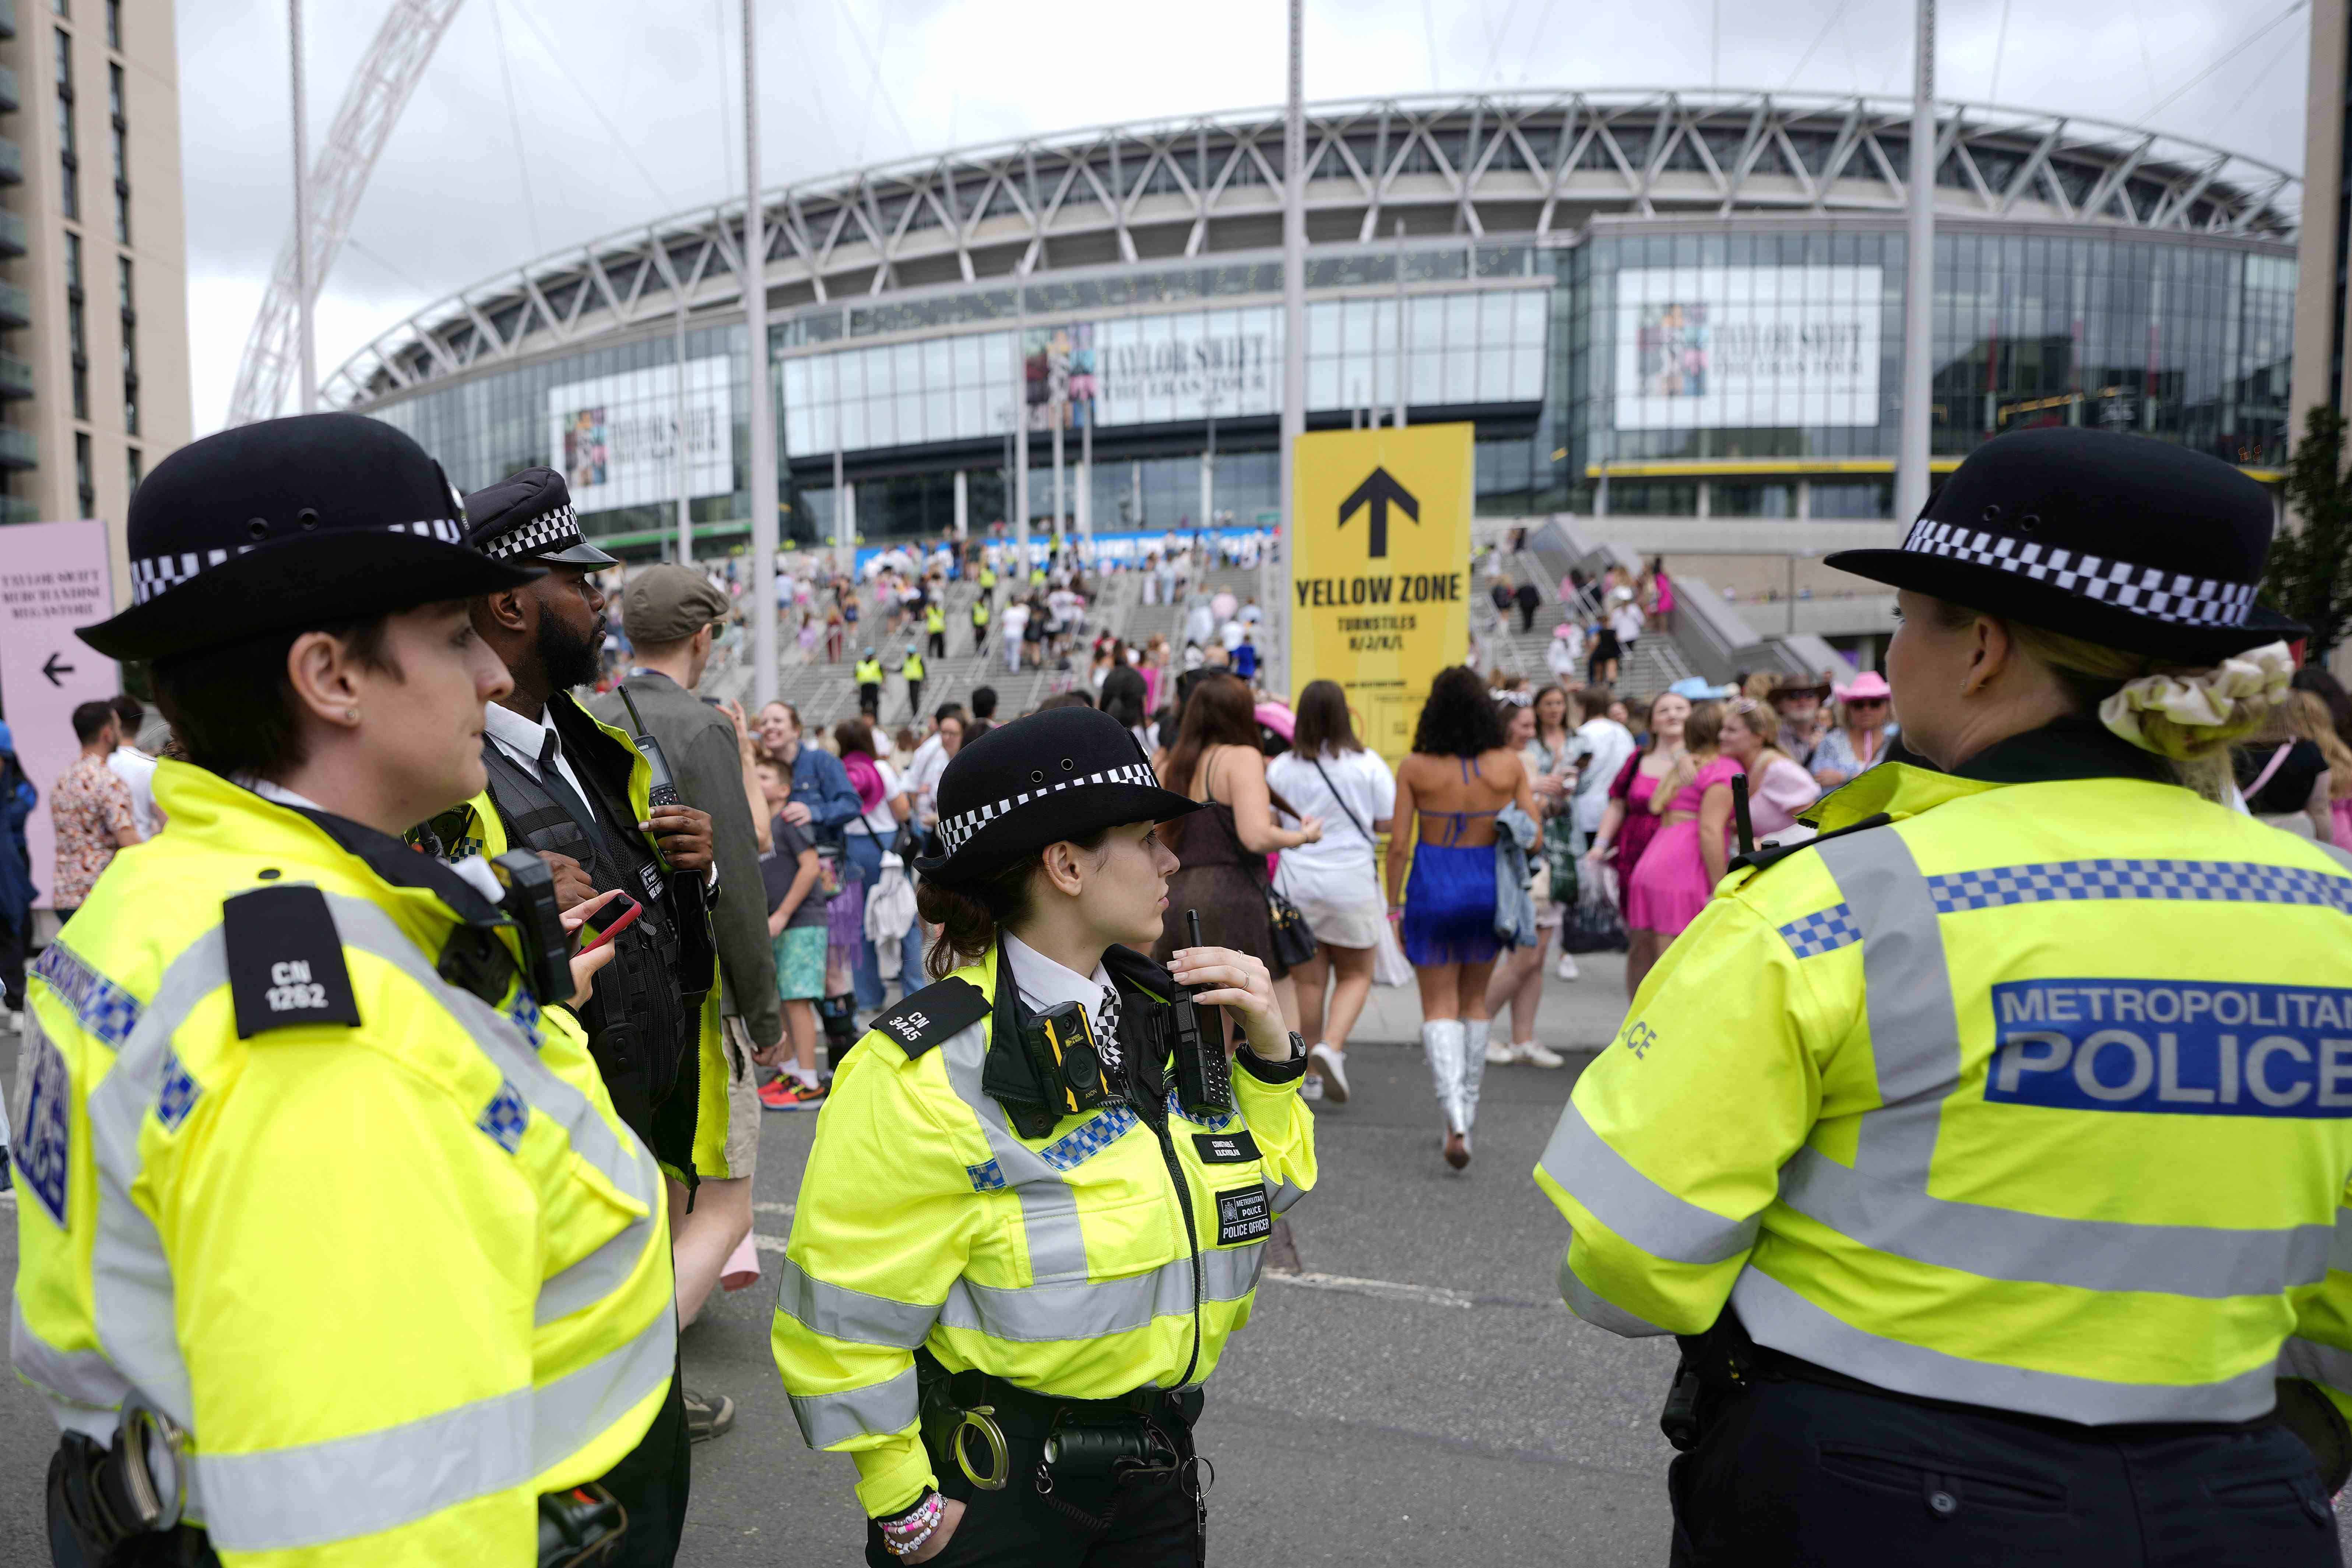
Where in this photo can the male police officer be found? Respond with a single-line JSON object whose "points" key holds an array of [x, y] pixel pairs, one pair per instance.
{"points": [[869, 683], [576, 792]]}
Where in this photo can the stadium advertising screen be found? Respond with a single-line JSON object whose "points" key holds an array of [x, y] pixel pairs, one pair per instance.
{"points": [[614, 440], [1748, 347]]}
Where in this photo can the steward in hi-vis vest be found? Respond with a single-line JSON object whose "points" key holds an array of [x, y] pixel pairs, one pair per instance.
{"points": [[1990, 1151], [1040, 1193], [869, 683], [332, 1249]]}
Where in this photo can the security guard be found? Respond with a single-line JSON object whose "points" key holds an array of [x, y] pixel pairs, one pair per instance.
{"points": [[980, 625], [332, 1249], [987, 578], [911, 668], [1038, 1201], [1988, 1151], [869, 684], [935, 624]]}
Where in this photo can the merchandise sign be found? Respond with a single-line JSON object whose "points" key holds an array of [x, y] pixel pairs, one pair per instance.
{"points": [[54, 577], [614, 439], [1381, 572]]}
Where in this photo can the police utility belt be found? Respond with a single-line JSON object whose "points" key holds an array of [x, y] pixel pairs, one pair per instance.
{"points": [[121, 1505]]}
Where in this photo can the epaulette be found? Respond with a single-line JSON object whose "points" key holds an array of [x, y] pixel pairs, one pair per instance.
{"points": [[933, 1015], [1762, 859], [285, 962]]}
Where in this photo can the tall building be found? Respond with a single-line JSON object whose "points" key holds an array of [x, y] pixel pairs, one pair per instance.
{"points": [[2319, 367], [93, 272]]}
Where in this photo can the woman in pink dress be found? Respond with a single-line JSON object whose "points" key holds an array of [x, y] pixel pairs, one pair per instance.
{"points": [[1777, 787], [1628, 825], [1687, 858]]}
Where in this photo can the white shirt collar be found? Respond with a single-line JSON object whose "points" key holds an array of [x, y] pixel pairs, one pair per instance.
{"points": [[276, 792], [518, 734], [1045, 981]]}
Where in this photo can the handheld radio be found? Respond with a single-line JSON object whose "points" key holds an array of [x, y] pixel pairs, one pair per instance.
{"points": [[663, 789], [1746, 828], [1204, 1083]]}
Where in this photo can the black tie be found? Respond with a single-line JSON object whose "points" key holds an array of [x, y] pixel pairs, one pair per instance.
{"points": [[569, 798]]}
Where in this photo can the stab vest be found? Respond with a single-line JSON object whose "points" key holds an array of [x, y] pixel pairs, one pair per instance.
{"points": [[641, 1029]]}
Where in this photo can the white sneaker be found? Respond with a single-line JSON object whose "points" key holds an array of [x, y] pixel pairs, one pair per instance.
{"points": [[1536, 1054], [1334, 1072], [1499, 1055], [1310, 1088], [1567, 970]]}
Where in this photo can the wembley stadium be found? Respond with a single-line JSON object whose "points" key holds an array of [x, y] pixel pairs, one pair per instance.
{"points": [[1658, 303]]}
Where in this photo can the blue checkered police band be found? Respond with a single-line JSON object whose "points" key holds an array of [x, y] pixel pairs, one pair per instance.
{"points": [[2145, 590]]}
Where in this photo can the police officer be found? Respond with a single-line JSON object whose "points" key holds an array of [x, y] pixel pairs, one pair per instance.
{"points": [[576, 792], [980, 625], [869, 684], [1038, 1201], [910, 667], [1987, 1152], [332, 1248], [935, 624]]}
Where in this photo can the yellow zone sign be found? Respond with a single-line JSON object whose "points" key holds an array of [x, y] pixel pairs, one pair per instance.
{"points": [[1380, 574]]}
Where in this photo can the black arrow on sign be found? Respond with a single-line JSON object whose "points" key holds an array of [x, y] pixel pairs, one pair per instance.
{"points": [[1379, 492], [53, 669]]}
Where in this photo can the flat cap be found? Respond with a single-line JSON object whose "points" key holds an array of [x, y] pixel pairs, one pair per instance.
{"points": [[669, 604]]}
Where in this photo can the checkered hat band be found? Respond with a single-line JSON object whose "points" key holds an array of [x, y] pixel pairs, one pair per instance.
{"points": [[545, 534], [957, 831], [151, 575], [2148, 591]]}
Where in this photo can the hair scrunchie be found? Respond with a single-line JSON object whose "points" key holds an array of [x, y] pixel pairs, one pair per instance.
{"points": [[2231, 691]]}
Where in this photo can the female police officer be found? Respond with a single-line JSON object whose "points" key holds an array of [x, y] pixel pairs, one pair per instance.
{"points": [[1991, 1147], [1039, 1203], [318, 1210]]}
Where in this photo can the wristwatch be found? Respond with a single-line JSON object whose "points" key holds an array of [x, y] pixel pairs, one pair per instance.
{"points": [[1286, 1071]]}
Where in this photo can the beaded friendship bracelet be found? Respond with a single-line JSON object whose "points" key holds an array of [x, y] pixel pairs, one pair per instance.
{"points": [[904, 1535]]}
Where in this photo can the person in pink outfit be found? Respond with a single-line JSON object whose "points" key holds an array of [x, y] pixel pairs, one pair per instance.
{"points": [[1678, 871], [1777, 787]]}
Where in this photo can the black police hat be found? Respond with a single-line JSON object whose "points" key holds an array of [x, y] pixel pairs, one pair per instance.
{"points": [[2124, 541], [529, 515], [288, 522], [1067, 772]]}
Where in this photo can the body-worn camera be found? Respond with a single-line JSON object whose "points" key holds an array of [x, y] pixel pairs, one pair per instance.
{"points": [[1061, 1045]]}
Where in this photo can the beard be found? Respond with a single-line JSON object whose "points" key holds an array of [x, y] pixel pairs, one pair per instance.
{"points": [[570, 660]]}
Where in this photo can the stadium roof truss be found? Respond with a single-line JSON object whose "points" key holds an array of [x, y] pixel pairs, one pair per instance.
{"points": [[1491, 166]]}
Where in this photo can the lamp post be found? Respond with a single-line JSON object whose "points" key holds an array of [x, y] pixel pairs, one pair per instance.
{"points": [[762, 414], [1274, 577], [305, 286], [1918, 279]]}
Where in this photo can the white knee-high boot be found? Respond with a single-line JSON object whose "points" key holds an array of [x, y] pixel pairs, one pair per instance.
{"points": [[1441, 1038], [1473, 1069]]}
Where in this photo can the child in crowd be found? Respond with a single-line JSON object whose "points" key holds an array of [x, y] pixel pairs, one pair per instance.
{"points": [[789, 873]]}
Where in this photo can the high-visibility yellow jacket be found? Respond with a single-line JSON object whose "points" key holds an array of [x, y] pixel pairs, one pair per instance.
{"points": [[979, 612], [869, 672], [395, 1278], [1062, 1264], [2038, 1097], [911, 667], [484, 833], [935, 619], [988, 579]]}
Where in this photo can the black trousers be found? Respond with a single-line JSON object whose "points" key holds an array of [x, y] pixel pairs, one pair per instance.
{"points": [[1152, 1523], [869, 697], [652, 1482], [1800, 1473], [938, 640], [915, 699]]}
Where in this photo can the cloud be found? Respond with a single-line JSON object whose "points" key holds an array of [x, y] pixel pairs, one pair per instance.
{"points": [[628, 113]]}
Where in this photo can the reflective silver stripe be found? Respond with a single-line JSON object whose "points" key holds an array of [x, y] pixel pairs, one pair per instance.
{"points": [[2320, 1363], [1281, 1195], [1915, 1029], [1049, 1205], [2208, 1262], [369, 1482], [1659, 1223], [1882, 1200], [876, 1410], [838, 1312], [284, 1499], [567, 1413], [1602, 1314], [2339, 1247], [1084, 1309], [621, 1159], [1777, 1316], [78, 1377]]}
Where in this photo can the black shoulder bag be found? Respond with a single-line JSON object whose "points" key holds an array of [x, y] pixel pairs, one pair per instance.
{"points": [[1293, 940]]}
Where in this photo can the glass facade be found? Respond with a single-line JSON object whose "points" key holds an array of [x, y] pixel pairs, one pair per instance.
{"points": [[1748, 368]]}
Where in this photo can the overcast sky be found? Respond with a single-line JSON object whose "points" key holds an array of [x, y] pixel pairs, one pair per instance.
{"points": [[541, 124]]}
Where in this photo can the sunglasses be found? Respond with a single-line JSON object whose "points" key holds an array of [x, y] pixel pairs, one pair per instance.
{"points": [[1865, 701]]}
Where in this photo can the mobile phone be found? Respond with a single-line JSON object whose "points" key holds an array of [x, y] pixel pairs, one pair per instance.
{"points": [[629, 911]]}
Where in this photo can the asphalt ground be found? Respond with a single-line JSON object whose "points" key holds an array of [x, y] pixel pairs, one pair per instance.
{"points": [[1416, 1395]]}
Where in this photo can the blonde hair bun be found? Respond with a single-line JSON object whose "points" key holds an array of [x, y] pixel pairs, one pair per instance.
{"points": [[2190, 714]]}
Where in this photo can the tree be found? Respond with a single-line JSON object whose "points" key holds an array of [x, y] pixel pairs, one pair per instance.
{"points": [[2309, 575]]}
